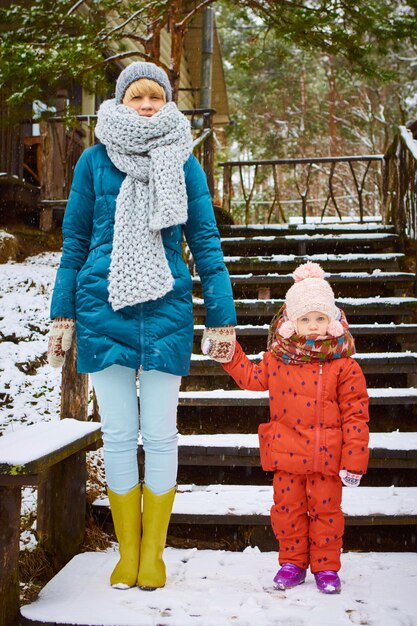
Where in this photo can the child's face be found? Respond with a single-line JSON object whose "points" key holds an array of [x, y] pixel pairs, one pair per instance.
{"points": [[313, 323]]}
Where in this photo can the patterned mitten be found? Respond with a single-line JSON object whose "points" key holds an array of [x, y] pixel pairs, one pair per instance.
{"points": [[219, 343], [59, 340], [349, 478]]}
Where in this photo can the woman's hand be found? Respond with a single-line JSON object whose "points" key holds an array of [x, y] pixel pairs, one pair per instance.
{"points": [[59, 340], [219, 343]]}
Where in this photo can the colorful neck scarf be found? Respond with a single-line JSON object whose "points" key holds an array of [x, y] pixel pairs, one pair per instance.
{"points": [[311, 348]]}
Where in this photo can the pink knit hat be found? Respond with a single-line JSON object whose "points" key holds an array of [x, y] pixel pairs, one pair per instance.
{"points": [[310, 292]]}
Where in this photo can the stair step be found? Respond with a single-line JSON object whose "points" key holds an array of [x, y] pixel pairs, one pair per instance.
{"points": [[304, 243], [394, 450], [357, 278], [221, 588], [250, 505], [238, 230], [376, 362], [253, 330], [385, 306], [329, 262], [240, 397]]}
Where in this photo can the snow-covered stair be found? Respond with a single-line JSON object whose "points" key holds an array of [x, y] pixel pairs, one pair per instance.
{"points": [[250, 504]]}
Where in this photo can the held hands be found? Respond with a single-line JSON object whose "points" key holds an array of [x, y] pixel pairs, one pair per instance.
{"points": [[349, 478], [219, 343], [59, 340]]}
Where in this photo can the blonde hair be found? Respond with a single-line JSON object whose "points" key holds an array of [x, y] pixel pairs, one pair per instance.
{"points": [[144, 87]]}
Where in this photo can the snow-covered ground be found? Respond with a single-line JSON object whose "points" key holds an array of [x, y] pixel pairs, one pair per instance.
{"points": [[205, 588], [29, 387]]}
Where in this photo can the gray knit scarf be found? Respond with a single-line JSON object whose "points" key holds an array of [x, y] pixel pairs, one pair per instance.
{"points": [[152, 152]]}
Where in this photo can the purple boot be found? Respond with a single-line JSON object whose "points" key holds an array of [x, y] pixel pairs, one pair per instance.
{"points": [[289, 576], [328, 581]]}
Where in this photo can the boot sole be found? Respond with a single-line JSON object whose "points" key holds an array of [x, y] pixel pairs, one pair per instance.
{"points": [[281, 587]]}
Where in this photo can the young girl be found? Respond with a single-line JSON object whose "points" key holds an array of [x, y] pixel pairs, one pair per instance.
{"points": [[123, 283], [317, 436]]}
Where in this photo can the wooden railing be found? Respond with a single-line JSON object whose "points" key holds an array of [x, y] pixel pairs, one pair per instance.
{"points": [[400, 183], [270, 190]]}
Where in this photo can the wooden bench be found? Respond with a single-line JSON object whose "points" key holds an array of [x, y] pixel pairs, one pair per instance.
{"points": [[52, 457]]}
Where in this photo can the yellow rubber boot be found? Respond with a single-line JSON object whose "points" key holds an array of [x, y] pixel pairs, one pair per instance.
{"points": [[155, 520], [126, 513]]}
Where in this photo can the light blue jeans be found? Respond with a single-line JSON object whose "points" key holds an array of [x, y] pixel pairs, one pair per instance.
{"points": [[116, 393]]}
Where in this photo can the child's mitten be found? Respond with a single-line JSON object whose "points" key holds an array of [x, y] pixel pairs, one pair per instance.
{"points": [[59, 340], [219, 343], [349, 478]]}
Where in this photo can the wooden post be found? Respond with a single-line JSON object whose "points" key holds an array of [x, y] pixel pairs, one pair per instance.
{"points": [[62, 495], [74, 388], [61, 509], [227, 187], [208, 150], [53, 158], [10, 501]]}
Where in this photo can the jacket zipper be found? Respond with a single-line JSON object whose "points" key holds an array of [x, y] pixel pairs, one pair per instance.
{"points": [[318, 417], [141, 339]]}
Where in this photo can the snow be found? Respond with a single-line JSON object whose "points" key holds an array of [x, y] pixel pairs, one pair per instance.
{"points": [[318, 236], [32, 443], [29, 387], [320, 257], [220, 588], [390, 441], [256, 500]]}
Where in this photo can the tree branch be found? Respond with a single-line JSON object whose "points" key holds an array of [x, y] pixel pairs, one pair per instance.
{"points": [[189, 17], [125, 55], [129, 19], [74, 7]]}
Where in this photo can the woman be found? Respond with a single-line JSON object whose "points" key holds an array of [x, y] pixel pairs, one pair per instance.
{"points": [[124, 286]]}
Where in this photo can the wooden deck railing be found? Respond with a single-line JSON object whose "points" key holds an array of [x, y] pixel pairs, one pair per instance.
{"points": [[261, 191], [400, 183]]}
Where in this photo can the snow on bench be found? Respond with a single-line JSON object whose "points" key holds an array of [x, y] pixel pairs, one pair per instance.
{"points": [[33, 448]]}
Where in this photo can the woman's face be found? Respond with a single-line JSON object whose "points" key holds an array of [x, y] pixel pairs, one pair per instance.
{"points": [[145, 97], [313, 323], [146, 106]]}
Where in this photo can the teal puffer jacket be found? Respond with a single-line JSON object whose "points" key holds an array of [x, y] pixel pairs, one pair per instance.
{"points": [[156, 334]]}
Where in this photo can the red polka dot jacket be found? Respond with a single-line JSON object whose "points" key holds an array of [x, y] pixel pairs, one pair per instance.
{"points": [[318, 413]]}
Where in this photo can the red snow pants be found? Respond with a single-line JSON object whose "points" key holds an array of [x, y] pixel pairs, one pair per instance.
{"points": [[307, 520]]}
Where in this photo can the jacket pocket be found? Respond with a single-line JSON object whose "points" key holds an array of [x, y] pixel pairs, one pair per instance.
{"points": [[266, 435]]}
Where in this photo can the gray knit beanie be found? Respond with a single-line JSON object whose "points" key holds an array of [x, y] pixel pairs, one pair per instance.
{"points": [[138, 70]]}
